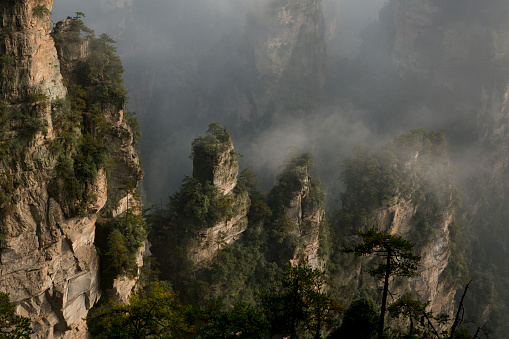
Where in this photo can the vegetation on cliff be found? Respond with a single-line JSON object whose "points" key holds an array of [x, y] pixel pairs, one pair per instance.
{"points": [[95, 87], [12, 325]]}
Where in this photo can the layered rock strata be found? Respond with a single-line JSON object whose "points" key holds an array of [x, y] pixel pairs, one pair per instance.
{"points": [[48, 261], [306, 219], [215, 161]]}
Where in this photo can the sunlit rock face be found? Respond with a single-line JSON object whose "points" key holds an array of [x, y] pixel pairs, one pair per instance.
{"points": [[398, 217], [306, 219], [48, 261], [406, 189], [27, 39], [215, 161], [220, 168]]}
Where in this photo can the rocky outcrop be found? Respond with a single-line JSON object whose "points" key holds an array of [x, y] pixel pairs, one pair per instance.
{"points": [[29, 60], [285, 55], [400, 217], [445, 43], [464, 50], [213, 239], [297, 201], [306, 218], [48, 260], [215, 162], [407, 190]]}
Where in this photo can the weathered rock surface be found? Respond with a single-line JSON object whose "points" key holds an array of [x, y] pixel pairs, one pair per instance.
{"points": [[215, 161], [27, 39], [220, 167], [398, 217], [211, 240], [48, 260], [306, 219], [297, 201]]}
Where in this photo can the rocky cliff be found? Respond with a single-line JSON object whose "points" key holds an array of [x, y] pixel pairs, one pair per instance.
{"points": [[406, 189], [54, 181], [297, 200], [215, 161], [285, 56], [208, 213], [461, 49]]}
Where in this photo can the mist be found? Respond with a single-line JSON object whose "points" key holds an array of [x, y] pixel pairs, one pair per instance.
{"points": [[180, 55], [185, 63], [373, 70]]}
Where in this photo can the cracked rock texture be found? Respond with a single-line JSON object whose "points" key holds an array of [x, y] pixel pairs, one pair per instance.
{"points": [[48, 261]]}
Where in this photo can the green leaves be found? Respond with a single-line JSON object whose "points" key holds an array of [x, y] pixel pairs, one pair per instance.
{"points": [[12, 326], [398, 260], [120, 239], [242, 321], [379, 243], [197, 205], [301, 305], [155, 314]]}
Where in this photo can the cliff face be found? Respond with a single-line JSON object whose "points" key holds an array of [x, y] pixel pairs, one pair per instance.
{"points": [[30, 63], [464, 49], [306, 218], [401, 217], [445, 42], [215, 161], [48, 261], [405, 189], [297, 205], [284, 52]]}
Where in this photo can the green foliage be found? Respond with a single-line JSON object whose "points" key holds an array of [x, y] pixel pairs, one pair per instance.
{"points": [[154, 314], [41, 12], [211, 144], [246, 181], [242, 321], [29, 126], [399, 251], [259, 210], [315, 199], [370, 179], [398, 260], [293, 179], [7, 66], [197, 205], [132, 122], [37, 97], [415, 169], [300, 306], [82, 146], [119, 240], [360, 320], [415, 164], [414, 313], [12, 326]]}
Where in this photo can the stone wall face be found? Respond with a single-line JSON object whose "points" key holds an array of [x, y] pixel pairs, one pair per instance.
{"points": [[48, 261]]}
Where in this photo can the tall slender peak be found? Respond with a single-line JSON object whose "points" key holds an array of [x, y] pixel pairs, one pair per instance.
{"points": [[284, 49], [215, 160]]}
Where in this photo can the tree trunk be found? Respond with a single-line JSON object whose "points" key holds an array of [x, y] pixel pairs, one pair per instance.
{"points": [[384, 296]]}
